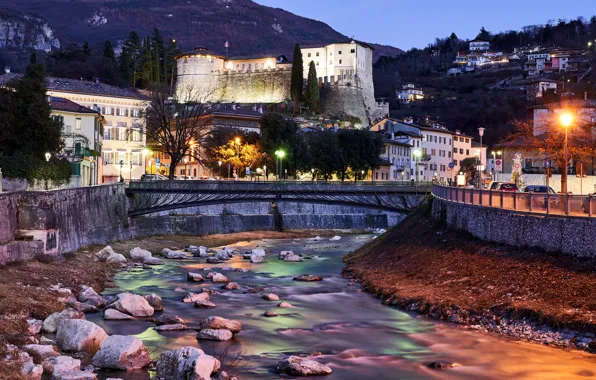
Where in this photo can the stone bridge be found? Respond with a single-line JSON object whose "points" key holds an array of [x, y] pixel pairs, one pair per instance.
{"points": [[155, 196]]}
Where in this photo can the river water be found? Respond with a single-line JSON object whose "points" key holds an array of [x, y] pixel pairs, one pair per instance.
{"points": [[358, 336]]}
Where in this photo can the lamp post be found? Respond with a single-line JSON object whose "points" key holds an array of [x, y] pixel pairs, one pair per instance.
{"points": [[185, 162], [219, 170], [237, 142], [280, 155], [312, 175], [566, 121], [417, 154], [48, 156], [480, 133], [147, 153], [265, 171]]}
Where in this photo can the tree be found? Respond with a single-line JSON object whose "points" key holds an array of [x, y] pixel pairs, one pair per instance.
{"points": [[325, 153], [27, 132], [469, 167], [215, 144], [360, 151], [550, 145], [278, 133], [297, 75], [179, 123], [312, 88], [146, 64], [483, 35], [108, 51]]}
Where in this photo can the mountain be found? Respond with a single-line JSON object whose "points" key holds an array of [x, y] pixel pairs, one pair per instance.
{"points": [[249, 27], [19, 31]]}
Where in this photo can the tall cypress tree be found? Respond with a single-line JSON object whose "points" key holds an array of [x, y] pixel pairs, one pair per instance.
{"points": [[108, 51], [146, 64], [297, 75], [312, 88]]}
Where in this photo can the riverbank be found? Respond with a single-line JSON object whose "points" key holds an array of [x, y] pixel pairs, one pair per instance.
{"points": [[32, 289], [529, 294]]}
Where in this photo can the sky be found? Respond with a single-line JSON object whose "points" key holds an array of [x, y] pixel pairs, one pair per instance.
{"points": [[407, 23]]}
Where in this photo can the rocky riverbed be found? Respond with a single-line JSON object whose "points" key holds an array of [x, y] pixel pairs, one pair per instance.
{"points": [[267, 309]]}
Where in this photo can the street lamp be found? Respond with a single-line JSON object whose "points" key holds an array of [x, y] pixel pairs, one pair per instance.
{"points": [[363, 178], [566, 121], [417, 153], [219, 170], [480, 133], [312, 176], [48, 156], [185, 162], [280, 155]]}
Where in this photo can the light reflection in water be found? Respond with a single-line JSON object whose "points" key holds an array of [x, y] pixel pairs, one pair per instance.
{"points": [[359, 337]]}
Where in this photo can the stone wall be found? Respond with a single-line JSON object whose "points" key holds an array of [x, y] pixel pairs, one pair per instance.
{"points": [[340, 101], [573, 236], [266, 86]]}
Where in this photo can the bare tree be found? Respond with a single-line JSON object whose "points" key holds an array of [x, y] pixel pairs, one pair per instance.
{"points": [[550, 144], [178, 123]]}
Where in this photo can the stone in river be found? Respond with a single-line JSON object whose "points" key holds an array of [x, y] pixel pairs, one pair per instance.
{"points": [[204, 305], [210, 334], [186, 363], [132, 304], [271, 297], [179, 289], [213, 260], [122, 352], [217, 323], [308, 278], [194, 277], [231, 286], [285, 304], [439, 365], [257, 252], [76, 335], [222, 255], [282, 255], [194, 297], [298, 366], [293, 258], [155, 301], [169, 320], [60, 364], [335, 238], [50, 324], [175, 327], [139, 254], [219, 279], [115, 315], [270, 314], [256, 259], [34, 326]]}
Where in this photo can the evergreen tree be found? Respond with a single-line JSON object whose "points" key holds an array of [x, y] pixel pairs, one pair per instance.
{"points": [[108, 51], [130, 59], [297, 75], [159, 50], [156, 63], [483, 35], [312, 88], [146, 66], [86, 48]]}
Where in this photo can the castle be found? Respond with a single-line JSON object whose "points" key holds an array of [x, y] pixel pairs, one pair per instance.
{"points": [[344, 71]]}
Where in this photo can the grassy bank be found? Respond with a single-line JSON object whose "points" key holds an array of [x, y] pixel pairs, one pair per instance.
{"points": [[25, 288], [422, 266]]}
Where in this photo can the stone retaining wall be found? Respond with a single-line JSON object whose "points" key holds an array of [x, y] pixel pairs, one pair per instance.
{"points": [[573, 236]]}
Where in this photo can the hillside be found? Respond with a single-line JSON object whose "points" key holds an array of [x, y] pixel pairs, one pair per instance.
{"points": [[250, 28]]}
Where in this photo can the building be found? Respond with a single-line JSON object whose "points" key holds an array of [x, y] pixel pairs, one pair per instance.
{"points": [[462, 149], [538, 87], [479, 45], [476, 59], [409, 93], [545, 62], [82, 131], [396, 159], [122, 109]]}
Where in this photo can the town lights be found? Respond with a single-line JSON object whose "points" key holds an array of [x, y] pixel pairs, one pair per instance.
{"points": [[48, 156], [280, 154], [566, 119]]}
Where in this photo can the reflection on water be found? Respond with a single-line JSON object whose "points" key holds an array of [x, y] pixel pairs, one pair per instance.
{"points": [[358, 337]]}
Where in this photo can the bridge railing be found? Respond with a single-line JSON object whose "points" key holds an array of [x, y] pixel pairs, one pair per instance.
{"points": [[536, 203], [287, 186]]}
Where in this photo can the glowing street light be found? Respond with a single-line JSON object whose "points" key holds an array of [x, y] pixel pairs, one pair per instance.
{"points": [[48, 156], [417, 154], [566, 120], [280, 154]]}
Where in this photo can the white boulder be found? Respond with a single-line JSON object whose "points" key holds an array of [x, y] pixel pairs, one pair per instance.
{"points": [[256, 259], [285, 304], [50, 324], [257, 252], [271, 297], [139, 254], [219, 279], [204, 305], [34, 326], [40, 350], [335, 238], [122, 352], [132, 304], [293, 258], [232, 286], [222, 255], [61, 364], [210, 334], [116, 258], [89, 296], [76, 335], [194, 297], [194, 277], [154, 301], [104, 253], [219, 323], [115, 315], [298, 366], [187, 363]]}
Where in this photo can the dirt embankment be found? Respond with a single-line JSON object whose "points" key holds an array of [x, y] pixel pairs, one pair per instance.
{"points": [[25, 288], [422, 266]]}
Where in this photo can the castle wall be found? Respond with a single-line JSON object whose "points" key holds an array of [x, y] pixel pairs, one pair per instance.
{"points": [[342, 100]]}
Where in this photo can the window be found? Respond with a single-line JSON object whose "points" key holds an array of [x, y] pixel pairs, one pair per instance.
{"points": [[461, 151], [308, 55], [449, 154], [467, 152], [107, 133], [122, 134], [107, 157], [249, 66], [340, 61], [339, 52], [136, 136], [122, 112], [136, 112], [317, 63], [107, 111], [433, 152], [135, 159], [454, 150], [317, 54], [78, 123], [353, 51], [121, 158]]}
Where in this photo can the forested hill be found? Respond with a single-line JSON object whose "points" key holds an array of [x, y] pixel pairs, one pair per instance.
{"points": [[249, 27]]}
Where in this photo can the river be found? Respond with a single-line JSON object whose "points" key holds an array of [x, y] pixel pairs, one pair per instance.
{"points": [[358, 336]]}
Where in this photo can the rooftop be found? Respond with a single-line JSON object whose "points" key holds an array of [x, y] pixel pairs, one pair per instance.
{"points": [[338, 42], [65, 105], [230, 109], [79, 86]]}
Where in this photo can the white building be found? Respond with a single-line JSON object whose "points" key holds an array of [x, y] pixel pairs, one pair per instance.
{"points": [[409, 93], [82, 133], [435, 157], [462, 149], [345, 64], [479, 45]]}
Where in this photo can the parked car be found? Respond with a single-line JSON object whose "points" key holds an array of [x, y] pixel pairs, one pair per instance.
{"points": [[586, 201], [539, 189], [507, 186], [153, 177], [496, 185]]}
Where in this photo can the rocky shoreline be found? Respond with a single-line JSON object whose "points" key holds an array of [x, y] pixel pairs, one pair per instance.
{"points": [[499, 322]]}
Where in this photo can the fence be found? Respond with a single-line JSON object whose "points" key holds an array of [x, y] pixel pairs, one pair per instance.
{"points": [[538, 203]]}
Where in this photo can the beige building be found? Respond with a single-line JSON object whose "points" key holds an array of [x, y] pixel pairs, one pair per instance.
{"points": [[82, 130]]}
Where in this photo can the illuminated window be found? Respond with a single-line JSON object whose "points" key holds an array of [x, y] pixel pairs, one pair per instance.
{"points": [[78, 123]]}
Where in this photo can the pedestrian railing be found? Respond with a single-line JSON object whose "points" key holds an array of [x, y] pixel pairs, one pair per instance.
{"points": [[539, 203]]}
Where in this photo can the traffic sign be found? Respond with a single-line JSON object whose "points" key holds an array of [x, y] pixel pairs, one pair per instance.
{"points": [[451, 165]]}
